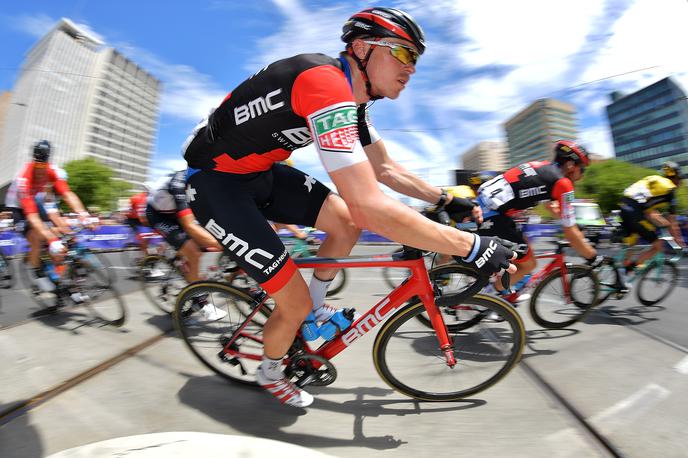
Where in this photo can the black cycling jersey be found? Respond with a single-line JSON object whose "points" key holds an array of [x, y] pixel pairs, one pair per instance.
{"points": [[169, 195], [285, 106]]}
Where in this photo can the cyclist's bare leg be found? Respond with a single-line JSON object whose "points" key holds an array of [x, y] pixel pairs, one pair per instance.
{"points": [[342, 234], [35, 244], [523, 267], [293, 304], [655, 247], [192, 254], [444, 259]]}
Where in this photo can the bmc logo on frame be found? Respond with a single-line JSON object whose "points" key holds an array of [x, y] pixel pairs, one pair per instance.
{"points": [[236, 245], [257, 107], [367, 323]]}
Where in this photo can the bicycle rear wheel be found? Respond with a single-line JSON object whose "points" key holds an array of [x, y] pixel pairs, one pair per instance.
{"points": [[447, 280], [551, 308], [407, 356], [97, 294], [207, 339], [161, 282], [608, 276], [656, 282]]}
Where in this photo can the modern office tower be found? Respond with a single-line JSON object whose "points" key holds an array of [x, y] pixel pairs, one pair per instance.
{"points": [[87, 100], [650, 126], [532, 132], [4, 106], [486, 155]]}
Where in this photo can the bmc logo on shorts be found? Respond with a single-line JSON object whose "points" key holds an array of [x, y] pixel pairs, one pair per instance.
{"points": [[236, 245], [335, 128]]}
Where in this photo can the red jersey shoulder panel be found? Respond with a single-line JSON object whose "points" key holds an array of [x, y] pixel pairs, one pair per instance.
{"points": [[319, 87]]}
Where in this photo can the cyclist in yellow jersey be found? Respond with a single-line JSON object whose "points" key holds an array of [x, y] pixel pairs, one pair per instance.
{"points": [[640, 211]]}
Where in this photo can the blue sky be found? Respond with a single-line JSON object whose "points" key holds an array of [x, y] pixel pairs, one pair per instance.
{"points": [[486, 60]]}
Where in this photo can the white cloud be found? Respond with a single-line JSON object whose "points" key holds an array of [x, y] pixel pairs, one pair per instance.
{"points": [[35, 25]]}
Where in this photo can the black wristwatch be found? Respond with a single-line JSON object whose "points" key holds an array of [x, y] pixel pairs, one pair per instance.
{"points": [[443, 198]]}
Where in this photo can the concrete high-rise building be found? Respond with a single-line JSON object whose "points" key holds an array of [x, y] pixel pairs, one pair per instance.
{"points": [[532, 132], [650, 126], [87, 100], [4, 106], [486, 155]]}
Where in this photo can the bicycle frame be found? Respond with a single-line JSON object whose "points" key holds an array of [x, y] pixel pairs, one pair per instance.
{"points": [[558, 262], [657, 259], [417, 284]]}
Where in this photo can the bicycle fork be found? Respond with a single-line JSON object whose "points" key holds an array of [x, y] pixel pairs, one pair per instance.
{"points": [[445, 342]]}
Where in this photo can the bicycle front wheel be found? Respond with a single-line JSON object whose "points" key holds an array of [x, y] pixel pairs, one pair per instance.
{"points": [[407, 356], [451, 279], [209, 340], [656, 282], [552, 308], [161, 282], [91, 288]]}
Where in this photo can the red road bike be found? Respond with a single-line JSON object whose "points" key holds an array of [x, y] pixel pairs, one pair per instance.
{"points": [[431, 363]]}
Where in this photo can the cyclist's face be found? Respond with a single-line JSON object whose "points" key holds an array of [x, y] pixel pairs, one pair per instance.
{"points": [[577, 173], [388, 75]]}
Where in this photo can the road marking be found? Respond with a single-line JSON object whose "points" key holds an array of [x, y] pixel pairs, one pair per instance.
{"points": [[632, 407], [682, 366]]}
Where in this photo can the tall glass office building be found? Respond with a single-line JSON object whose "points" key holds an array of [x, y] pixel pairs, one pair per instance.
{"points": [[650, 126]]}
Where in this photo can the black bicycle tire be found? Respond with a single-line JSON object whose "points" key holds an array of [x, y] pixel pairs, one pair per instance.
{"points": [[610, 288], [576, 270], [438, 271], [121, 319], [646, 272], [180, 317], [10, 273], [147, 260], [410, 311]]}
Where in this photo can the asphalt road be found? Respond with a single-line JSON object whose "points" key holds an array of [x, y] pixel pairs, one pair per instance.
{"points": [[613, 385]]}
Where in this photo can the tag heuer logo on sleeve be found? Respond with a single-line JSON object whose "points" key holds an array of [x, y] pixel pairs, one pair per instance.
{"points": [[335, 128]]}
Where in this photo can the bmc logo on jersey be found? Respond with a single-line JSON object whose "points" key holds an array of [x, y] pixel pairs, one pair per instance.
{"points": [[236, 245], [335, 128], [257, 107], [532, 192]]}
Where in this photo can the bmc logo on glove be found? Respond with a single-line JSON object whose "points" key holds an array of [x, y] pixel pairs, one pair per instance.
{"points": [[491, 248]]}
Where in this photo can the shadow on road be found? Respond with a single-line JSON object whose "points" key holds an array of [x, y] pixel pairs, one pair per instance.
{"points": [[252, 411], [19, 438]]}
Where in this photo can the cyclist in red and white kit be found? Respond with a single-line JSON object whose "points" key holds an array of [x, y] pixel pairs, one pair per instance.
{"points": [[235, 184], [40, 176], [525, 186]]}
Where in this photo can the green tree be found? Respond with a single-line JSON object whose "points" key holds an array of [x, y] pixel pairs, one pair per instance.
{"points": [[93, 182], [605, 183]]}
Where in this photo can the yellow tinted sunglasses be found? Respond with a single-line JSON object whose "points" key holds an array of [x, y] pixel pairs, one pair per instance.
{"points": [[402, 53]]}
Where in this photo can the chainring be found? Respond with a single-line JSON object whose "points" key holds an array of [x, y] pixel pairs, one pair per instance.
{"points": [[301, 367]]}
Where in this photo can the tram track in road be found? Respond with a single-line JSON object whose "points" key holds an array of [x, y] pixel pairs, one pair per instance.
{"points": [[22, 407]]}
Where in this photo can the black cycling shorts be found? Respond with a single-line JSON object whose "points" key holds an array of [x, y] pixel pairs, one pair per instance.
{"points": [[235, 209], [21, 224], [504, 227], [633, 222], [168, 226]]}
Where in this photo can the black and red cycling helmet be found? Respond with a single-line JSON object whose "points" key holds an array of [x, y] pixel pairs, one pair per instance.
{"points": [[566, 150], [384, 22], [41, 151]]}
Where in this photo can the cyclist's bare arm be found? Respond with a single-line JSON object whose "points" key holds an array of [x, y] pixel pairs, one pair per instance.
{"points": [[371, 209], [197, 233], [294, 229], [396, 177], [73, 202], [675, 230], [574, 235], [59, 222], [35, 222]]}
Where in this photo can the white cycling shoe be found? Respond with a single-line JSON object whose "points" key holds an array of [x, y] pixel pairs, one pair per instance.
{"points": [[285, 391], [209, 312]]}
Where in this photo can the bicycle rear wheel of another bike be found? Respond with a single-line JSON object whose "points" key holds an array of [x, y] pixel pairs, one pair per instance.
{"points": [[92, 288], [451, 279], [210, 340], [408, 357], [656, 282], [161, 282], [552, 308]]}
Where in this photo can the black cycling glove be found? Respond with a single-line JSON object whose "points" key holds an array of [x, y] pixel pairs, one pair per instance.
{"points": [[488, 255], [459, 208]]}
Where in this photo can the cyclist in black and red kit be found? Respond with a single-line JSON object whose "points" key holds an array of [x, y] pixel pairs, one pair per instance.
{"points": [[525, 186], [235, 184]]}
